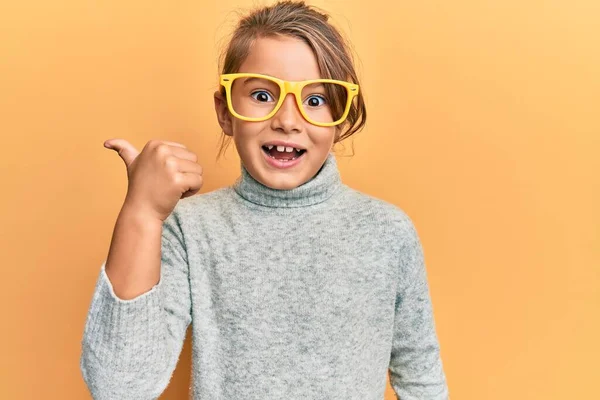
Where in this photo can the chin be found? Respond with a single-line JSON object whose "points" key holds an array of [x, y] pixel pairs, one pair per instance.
{"points": [[278, 179], [284, 179], [282, 182]]}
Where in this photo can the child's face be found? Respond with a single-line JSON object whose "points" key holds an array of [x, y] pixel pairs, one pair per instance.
{"points": [[289, 59]]}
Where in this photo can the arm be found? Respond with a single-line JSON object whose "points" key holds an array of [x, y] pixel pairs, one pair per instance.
{"points": [[131, 346], [415, 370]]}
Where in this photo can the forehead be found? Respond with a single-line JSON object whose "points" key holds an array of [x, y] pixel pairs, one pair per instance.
{"points": [[282, 57]]}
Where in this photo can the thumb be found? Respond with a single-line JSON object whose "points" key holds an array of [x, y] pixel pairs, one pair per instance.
{"points": [[125, 149]]}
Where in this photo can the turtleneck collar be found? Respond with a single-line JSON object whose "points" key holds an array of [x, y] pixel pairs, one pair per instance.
{"points": [[318, 189]]}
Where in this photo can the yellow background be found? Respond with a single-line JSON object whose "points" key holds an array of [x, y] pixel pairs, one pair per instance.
{"points": [[483, 125]]}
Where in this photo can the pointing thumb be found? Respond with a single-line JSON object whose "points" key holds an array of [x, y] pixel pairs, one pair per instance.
{"points": [[125, 150]]}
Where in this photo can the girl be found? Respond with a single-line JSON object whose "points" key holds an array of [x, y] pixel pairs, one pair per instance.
{"points": [[296, 285]]}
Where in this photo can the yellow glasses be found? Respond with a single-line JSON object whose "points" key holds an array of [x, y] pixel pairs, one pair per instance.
{"points": [[257, 97]]}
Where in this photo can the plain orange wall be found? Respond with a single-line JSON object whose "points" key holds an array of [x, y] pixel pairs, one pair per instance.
{"points": [[483, 125]]}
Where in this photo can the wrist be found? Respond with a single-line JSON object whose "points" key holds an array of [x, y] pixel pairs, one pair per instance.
{"points": [[139, 215]]}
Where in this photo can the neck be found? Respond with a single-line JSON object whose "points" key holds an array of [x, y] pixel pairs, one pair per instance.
{"points": [[318, 189]]}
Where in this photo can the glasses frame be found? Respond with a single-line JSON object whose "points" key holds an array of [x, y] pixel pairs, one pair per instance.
{"points": [[286, 87]]}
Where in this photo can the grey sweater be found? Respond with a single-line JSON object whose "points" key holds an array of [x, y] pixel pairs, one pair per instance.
{"points": [[309, 293]]}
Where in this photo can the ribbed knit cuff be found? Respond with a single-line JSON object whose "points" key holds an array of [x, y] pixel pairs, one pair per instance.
{"points": [[124, 335]]}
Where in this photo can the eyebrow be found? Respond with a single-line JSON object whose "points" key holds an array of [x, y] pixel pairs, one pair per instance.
{"points": [[250, 79], [253, 78], [315, 85]]}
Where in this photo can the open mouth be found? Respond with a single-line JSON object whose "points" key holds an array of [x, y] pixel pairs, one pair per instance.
{"points": [[283, 153]]}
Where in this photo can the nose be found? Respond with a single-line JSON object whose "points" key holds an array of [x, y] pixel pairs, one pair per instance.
{"points": [[288, 118]]}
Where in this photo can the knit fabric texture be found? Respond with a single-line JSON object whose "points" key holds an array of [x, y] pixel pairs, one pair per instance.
{"points": [[317, 292]]}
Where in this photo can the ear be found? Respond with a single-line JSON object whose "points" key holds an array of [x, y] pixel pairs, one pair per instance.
{"points": [[223, 115], [338, 133]]}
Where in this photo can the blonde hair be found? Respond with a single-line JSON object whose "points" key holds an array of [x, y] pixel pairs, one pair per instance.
{"points": [[297, 20]]}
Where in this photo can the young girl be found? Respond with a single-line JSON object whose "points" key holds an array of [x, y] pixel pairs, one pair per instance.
{"points": [[296, 285]]}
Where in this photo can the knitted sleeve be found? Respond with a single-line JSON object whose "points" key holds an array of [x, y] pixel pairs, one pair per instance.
{"points": [[415, 370], [130, 347]]}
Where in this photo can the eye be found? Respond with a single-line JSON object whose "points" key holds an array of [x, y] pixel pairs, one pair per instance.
{"points": [[262, 96], [315, 100]]}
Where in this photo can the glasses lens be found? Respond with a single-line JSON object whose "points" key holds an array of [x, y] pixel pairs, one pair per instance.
{"points": [[254, 97], [324, 101]]}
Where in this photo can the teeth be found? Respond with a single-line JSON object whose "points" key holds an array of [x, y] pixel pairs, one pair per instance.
{"points": [[291, 159], [282, 149]]}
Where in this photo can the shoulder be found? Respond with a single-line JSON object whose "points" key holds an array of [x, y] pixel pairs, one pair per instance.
{"points": [[395, 219], [398, 235], [192, 211], [218, 198]]}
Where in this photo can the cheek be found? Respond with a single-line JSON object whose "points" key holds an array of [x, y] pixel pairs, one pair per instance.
{"points": [[323, 135], [244, 130]]}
